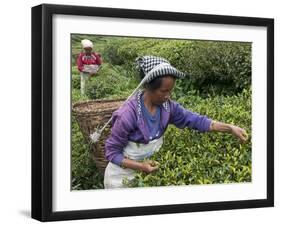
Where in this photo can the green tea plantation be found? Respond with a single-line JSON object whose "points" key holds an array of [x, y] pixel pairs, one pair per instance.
{"points": [[218, 85]]}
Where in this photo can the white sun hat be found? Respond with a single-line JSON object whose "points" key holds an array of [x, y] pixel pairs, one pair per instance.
{"points": [[87, 43]]}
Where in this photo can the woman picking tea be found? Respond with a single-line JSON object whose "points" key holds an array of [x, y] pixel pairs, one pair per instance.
{"points": [[139, 125]]}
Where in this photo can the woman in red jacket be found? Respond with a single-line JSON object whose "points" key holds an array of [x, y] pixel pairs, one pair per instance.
{"points": [[88, 63]]}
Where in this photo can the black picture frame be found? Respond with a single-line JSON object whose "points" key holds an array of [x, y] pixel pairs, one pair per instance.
{"points": [[42, 106]]}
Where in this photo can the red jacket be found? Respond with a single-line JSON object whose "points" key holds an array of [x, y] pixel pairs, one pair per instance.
{"points": [[83, 59]]}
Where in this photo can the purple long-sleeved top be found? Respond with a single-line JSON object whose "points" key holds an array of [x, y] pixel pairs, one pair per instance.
{"points": [[128, 124]]}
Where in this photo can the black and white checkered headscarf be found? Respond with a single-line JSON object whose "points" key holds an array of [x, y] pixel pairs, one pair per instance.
{"points": [[154, 67]]}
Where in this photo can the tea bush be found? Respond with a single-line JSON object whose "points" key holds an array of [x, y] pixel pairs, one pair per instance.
{"points": [[76, 81], [215, 67], [190, 157], [85, 174], [110, 80], [212, 67]]}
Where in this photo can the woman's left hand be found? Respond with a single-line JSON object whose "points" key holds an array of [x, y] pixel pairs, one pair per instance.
{"points": [[239, 132]]}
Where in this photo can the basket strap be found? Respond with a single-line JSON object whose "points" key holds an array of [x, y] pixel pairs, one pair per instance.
{"points": [[133, 93]]}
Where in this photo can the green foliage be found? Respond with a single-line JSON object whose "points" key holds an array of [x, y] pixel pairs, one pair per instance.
{"points": [[76, 81], [76, 96], [109, 81], [212, 67], [85, 175], [216, 67], [190, 157]]}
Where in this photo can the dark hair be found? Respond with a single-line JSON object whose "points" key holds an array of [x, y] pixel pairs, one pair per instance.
{"points": [[155, 83]]}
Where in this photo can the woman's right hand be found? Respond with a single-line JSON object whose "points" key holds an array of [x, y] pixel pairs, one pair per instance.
{"points": [[149, 166]]}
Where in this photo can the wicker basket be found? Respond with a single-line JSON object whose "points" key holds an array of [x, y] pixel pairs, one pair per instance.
{"points": [[91, 115]]}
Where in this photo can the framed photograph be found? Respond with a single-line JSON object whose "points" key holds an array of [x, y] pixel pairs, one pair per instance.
{"points": [[139, 112]]}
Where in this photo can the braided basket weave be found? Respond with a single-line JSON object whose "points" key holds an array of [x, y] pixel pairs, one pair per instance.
{"points": [[91, 115]]}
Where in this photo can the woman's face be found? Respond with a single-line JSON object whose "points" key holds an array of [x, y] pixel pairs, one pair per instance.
{"points": [[88, 50], [163, 93]]}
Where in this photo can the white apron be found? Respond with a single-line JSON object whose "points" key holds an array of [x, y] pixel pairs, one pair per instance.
{"points": [[114, 174]]}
